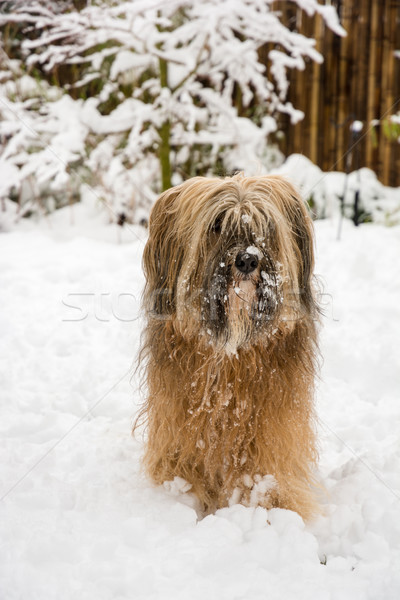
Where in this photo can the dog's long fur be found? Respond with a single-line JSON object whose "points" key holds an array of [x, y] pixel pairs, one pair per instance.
{"points": [[230, 357]]}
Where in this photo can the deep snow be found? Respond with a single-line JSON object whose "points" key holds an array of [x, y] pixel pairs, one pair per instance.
{"points": [[79, 520]]}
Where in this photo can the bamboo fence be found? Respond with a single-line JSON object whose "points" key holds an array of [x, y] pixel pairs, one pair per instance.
{"points": [[359, 80]]}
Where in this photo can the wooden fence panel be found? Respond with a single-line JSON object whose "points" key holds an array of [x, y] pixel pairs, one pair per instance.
{"points": [[358, 81]]}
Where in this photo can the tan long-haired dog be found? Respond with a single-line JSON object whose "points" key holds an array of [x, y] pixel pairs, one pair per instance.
{"points": [[230, 343]]}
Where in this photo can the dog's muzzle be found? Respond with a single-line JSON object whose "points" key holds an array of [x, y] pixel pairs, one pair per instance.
{"points": [[246, 263]]}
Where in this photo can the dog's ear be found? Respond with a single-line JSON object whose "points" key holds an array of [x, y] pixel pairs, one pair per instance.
{"points": [[162, 255], [303, 232]]}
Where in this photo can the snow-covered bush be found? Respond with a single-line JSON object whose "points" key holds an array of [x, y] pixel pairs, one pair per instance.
{"points": [[42, 141], [329, 194], [169, 89]]}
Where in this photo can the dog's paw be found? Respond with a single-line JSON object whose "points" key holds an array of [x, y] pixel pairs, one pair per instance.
{"points": [[177, 486], [254, 491], [261, 490]]}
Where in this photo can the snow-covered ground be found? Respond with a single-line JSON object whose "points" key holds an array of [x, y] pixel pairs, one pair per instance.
{"points": [[77, 517]]}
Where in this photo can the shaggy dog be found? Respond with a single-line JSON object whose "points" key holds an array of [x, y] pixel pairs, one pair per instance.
{"points": [[230, 343]]}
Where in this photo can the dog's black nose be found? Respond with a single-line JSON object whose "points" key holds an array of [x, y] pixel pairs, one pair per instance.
{"points": [[246, 263]]}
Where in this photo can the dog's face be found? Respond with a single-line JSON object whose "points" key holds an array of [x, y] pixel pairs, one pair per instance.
{"points": [[230, 260]]}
